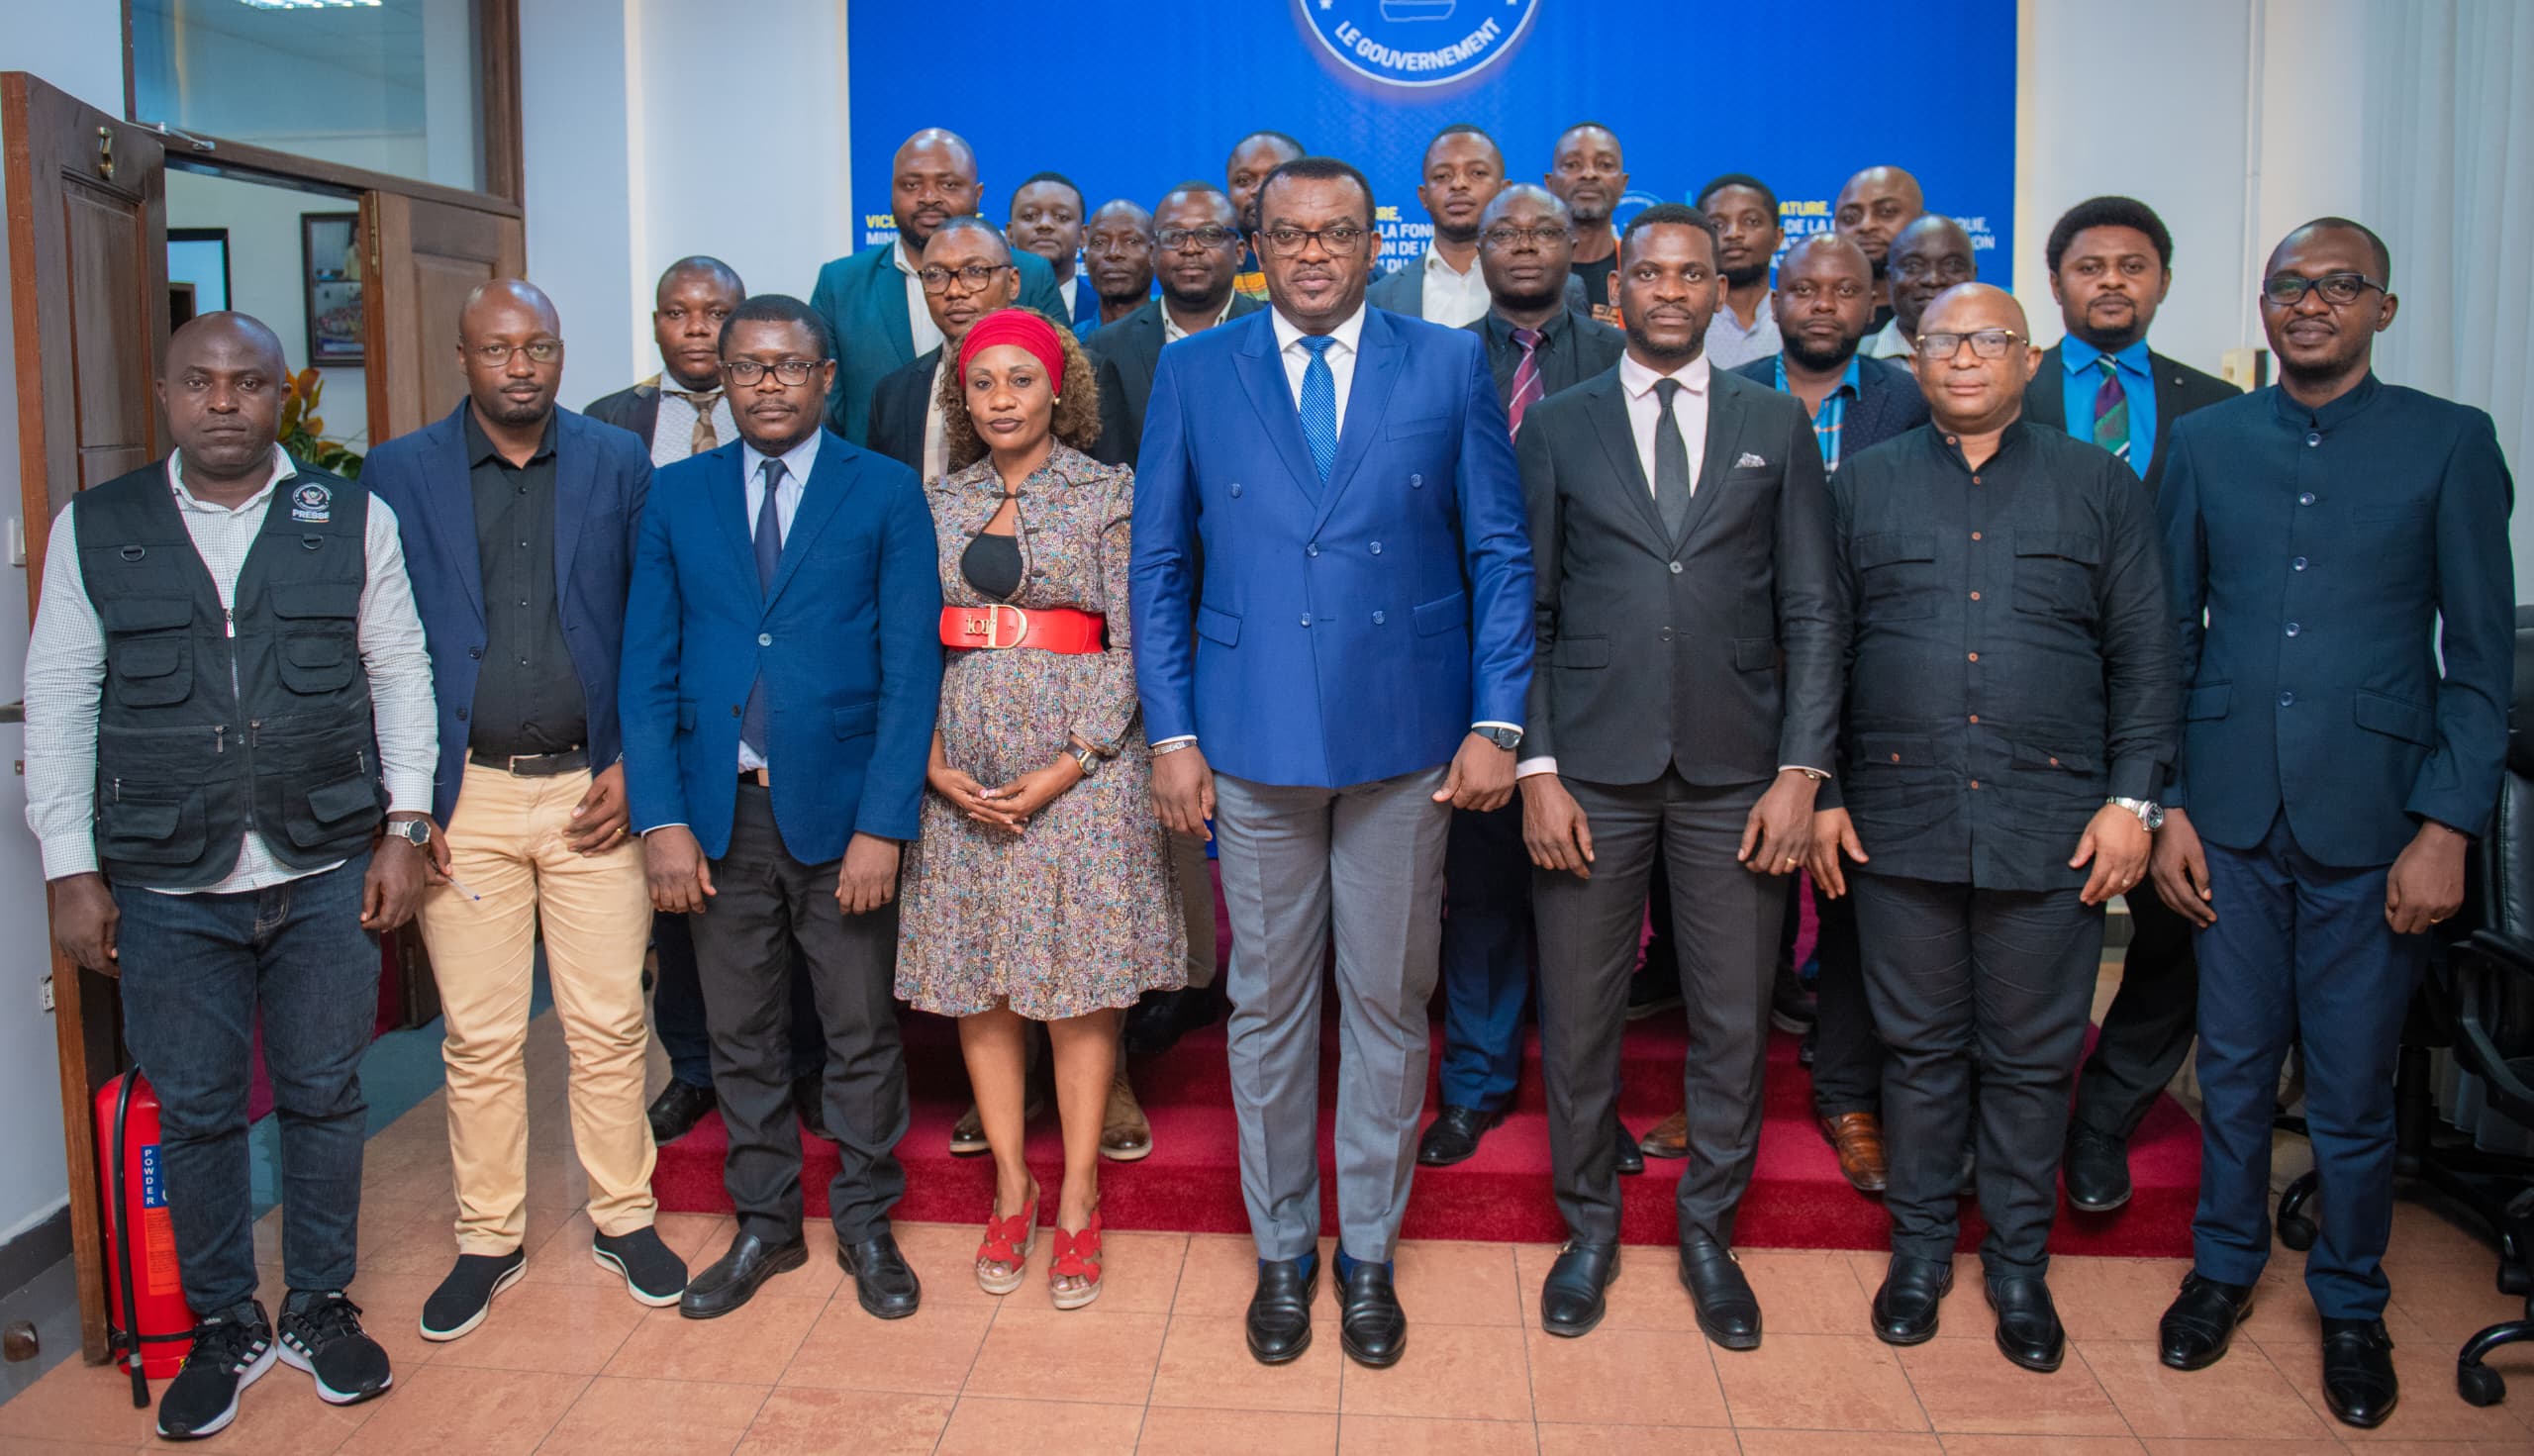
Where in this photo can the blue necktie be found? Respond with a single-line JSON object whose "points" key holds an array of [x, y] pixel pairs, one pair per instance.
{"points": [[769, 554], [1320, 405]]}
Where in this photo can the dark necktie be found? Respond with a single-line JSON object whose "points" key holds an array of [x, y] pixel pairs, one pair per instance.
{"points": [[1671, 459], [769, 555], [704, 436], [2111, 410], [1528, 389]]}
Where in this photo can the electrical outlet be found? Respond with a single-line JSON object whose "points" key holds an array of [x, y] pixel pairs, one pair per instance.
{"points": [[44, 994]]}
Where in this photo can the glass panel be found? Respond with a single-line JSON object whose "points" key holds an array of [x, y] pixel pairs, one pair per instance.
{"points": [[391, 85]]}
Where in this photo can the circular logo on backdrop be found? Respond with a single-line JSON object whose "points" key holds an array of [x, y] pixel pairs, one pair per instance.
{"points": [[1418, 43], [1630, 203]]}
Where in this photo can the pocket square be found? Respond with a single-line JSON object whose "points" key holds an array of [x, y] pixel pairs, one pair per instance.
{"points": [[1749, 461]]}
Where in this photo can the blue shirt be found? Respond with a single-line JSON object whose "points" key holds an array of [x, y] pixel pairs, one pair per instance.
{"points": [[2085, 379], [1834, 414]]}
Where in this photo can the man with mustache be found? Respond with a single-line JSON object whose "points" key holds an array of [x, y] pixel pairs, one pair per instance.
{"points": [[1747, 231], [517, 520], [2010, 710], [1588, 173], [1684, 705], [2346, 724], [778, 702], [1252, 158], [1927, 256], [1117, 252], [1351, 667], [2110, 263], [968, 272], [1872, 209], [1462, 172], [1047, 218], [873, 302]]}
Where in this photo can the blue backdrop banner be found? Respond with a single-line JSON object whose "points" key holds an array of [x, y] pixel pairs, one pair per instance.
{"points": [[1129, 97]]}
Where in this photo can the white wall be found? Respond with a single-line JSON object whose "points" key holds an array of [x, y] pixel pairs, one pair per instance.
{"points": [[264, 278], [78, 48]]}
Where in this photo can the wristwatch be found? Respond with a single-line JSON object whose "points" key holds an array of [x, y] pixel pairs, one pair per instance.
{"points": [[414, 831], [1509, 739], [1087, 758], [2149, 812]]}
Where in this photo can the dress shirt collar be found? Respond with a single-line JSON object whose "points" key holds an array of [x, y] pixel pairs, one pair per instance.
{"points": [[2079, 356], [1499, 329], [797, 462], [1171, 333], [1851, 380], [1350, 334], [2359, 397], [2007, 439], [897, 257], [481, 446], [1435, 261], [284, 467], [1639, 380]]}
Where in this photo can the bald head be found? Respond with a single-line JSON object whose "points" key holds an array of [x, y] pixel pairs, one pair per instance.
{"points": [[1530, 197], [696, 296], [502, 299], [510, 342], [1873, 208], [1970, 392], [223, 388], [1930, 255], [1970, 307], [932, 179]]}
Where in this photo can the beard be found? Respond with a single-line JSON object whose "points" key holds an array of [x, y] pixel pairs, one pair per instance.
{"points": [[1745, 277], [1820, 362]]}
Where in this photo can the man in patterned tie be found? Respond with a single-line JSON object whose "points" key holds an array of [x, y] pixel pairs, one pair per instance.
{"points": [[2110, 263], [1538, 341]]}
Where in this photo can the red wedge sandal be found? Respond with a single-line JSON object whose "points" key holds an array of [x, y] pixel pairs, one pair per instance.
{"points": [[1077, 1256], [1007, 1244]]}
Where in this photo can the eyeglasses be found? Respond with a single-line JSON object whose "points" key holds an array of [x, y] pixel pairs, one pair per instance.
{"points": [[792, 373], [1207, 236], [1988, 344], [971, 278], [1945, 271], [2286, 290], [541, 350], [1130, 242], [1507, 239], [1344, 237]]}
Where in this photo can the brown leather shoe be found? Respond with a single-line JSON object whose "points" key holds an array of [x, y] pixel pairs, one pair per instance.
{"points": [[1858, 1136], [1669, 1139], [1125, 1136]]}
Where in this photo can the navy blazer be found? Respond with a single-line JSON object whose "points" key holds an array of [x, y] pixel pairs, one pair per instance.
{"points": [[1888, 402], [602, 477], [850, 639], [1347, 632], [863, 298], [2335, 556], [2180, 389]]}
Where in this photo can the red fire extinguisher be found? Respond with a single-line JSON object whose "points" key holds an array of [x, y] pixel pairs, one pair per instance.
{"points": [[146, 1314]]}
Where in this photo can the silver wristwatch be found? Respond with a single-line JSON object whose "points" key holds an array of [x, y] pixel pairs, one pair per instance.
{"points": [[2149, 812], [414, 831]]}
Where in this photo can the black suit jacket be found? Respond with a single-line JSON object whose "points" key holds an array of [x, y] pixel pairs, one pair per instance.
{"points": [[1124, 357], [1402, 290], [637, 409], [1719, 651], [1888, 402], [898, 405], [2180, 389], [1576, 348]]}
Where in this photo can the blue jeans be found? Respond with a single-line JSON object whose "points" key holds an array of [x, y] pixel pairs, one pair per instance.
{"points": [[196, 971]]}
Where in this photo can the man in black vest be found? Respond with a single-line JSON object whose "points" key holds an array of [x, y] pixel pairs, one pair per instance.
{"points": [[218, 632]]}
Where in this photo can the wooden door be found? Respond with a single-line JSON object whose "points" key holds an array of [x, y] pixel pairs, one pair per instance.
{"points": [[87, 201], [424, 257]]}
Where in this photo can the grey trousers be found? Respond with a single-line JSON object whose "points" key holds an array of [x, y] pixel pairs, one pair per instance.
{"points": [[1365, 862]]}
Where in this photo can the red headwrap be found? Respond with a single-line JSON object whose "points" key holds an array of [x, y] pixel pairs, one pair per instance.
{"points": [[1017, 326]]}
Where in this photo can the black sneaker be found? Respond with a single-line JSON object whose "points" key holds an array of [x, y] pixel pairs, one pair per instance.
{"points": [[460, 1304], [231, 1351], [653, 1273], [320, 1333]]}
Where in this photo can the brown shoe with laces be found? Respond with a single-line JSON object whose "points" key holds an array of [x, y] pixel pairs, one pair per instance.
{"points": [[1858, 1137]]}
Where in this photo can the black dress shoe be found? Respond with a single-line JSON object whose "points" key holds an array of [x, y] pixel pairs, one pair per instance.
{"points": [[2096, 1169], [1652, 991], [1453, 1136], [2028, 1331], [1156, 1023], [1631, 1158], [1571, 1301], [1808, 1047], [1913, 1290], [675, 1112], [2200, 1320], [1727, 1309], [2357, 1372], [1280, 1309], [884, 1283], [808, 1095], [732, 1279], [1790, 1006], [1371, 1327]]}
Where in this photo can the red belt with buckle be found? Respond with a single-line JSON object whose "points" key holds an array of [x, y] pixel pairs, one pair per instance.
{"points": [[1047, 628]]}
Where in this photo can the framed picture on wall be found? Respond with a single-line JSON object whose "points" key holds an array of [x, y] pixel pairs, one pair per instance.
{"points": [[330, 254]]}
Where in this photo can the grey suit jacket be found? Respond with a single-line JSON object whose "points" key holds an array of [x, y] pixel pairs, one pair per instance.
{"points": [[1402, 290], [2180, 389], [1717, 651], [1124, 357]]}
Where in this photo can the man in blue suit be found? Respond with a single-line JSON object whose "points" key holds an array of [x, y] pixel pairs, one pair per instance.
{"points": [[2342, 583], [873, 304], [1355, 665], [518, 521], [782, 663]]}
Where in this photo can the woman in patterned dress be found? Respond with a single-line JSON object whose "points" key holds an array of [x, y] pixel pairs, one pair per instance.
{"points": [[1041, 888]]}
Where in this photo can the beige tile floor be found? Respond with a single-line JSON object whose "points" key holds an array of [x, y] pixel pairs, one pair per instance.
{"points": [[568, 1364]]}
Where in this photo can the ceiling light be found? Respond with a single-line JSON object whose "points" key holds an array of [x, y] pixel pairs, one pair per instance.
{"points": [[310, 4]]}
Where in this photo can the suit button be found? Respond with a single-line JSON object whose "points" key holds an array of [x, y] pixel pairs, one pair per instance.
{"points": [[1313, 549], [1379, 618], [2312, 441], [1236, 490], [1975, 718], [736, 710], [1975, 596], [2306, 499], [765, 639], [1676, 568], [1975, 535], [1667, 634], [475, 652], [2287, 700], [1377, 548], [1305, 618], [2298, 563], [461, 715], [1417, 482], [2294, 629], [1975, 656], [1974, 783]]}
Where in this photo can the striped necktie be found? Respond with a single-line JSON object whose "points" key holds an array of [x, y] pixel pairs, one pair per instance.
{"points": [[2111, 410], [1528, 389], [1320, 405]]}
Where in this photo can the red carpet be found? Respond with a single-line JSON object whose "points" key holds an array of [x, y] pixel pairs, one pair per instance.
{"points": [[1191, 1181]]}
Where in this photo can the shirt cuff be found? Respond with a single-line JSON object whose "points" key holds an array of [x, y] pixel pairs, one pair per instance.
{"points": [[1489, 723], [1803, 768], [409, 797], [1530, 766], [65, 855], [673, 824], [1165, 743]]}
